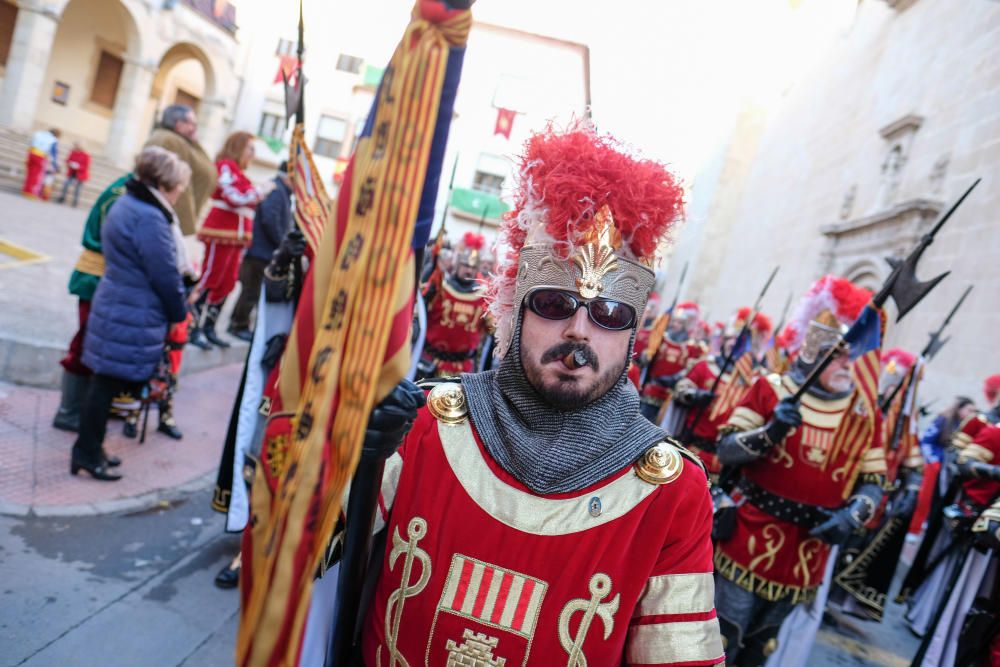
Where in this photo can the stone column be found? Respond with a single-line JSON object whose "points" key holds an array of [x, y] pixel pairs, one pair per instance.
{"points": [[126, 136], [34, 34], [212, 124]]}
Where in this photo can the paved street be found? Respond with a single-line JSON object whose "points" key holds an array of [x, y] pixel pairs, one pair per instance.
{"points": [[123, 590]]}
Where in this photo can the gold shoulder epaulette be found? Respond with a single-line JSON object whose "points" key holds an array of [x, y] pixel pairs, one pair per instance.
{"points": [[447, 402], [774, 379], [663, 463]]}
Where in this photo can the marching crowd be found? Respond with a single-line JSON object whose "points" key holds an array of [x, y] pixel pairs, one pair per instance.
{"points": [[808, 437], [798, 533]]}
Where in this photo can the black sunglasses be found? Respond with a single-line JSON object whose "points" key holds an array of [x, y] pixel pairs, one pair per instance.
{"points": [[553, 304]]}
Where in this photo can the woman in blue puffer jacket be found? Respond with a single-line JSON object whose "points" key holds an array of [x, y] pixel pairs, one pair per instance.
{"points": [[139, 296]]}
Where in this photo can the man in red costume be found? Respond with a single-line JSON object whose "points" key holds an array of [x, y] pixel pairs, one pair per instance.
{"points": [[533, 515], [976, 448], [670, 358], [965, 630], [707, 411], [455, 309], [803, 487]]}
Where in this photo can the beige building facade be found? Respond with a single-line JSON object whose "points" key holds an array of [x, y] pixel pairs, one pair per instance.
{"points": [[853, 165], [101, 70]]}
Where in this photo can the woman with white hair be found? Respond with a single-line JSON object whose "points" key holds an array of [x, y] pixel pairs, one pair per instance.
{"points": [[139, 296]]}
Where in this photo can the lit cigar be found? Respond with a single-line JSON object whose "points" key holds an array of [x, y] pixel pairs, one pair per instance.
{"points": [[575, 359]]}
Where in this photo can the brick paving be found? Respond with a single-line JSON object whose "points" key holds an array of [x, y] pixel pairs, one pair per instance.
{"points": [[34, 457]]}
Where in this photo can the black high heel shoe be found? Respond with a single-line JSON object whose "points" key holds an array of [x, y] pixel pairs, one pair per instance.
{"points": [[99, 471]]}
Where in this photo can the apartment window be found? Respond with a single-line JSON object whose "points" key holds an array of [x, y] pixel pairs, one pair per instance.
{"points": [[490, 173], [347, 63], [330, 136], [8, 17], [286, 47], [272, 125], [109, 73]]}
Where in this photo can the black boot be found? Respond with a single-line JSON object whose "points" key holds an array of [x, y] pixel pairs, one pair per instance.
{"points": [[195, 336], [168, 426], [74, 390], [211, 317], [229, 576]]}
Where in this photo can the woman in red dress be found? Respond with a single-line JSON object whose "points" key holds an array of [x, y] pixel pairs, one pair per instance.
{"points": [[226, 232]]}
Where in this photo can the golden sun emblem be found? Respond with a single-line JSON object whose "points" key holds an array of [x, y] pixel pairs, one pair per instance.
{"points": [[596, 257]]}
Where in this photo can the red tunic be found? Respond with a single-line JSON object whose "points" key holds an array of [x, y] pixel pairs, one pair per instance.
{"points": [[670, 358], [230, 220], [776, 558], [455, 326], [476, 564], [985, 447], [78, 164]]}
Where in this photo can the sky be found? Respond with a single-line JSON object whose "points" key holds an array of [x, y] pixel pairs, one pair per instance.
{"points": [[667, 76]]}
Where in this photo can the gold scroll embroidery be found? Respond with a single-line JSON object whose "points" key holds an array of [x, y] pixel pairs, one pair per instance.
{"points": [[600, 588], [416, 530]]}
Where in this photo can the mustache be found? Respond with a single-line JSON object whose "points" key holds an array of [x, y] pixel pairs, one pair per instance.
{"points": [[569, 347]]}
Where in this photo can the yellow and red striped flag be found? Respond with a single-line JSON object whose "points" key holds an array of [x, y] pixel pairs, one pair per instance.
{"points": [[858, 427], [312, 204], [349, 343], [735, 388]]}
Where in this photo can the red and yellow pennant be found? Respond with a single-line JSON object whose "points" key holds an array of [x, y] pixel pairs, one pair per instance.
{"points": [[312, 205], [348, 346], [858, 430], [736, 388]]}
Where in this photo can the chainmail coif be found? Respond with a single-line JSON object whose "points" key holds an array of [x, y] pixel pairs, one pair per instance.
{"points": [[551, 450]]}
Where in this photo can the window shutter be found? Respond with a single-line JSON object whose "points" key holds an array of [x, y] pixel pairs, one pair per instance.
{"points": [[109, 73], [8, 17]]}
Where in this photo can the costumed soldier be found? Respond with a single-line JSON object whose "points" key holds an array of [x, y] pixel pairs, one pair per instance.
{"points": [[802, 488], [455, 308], [241, 450], [965, 625], [533, 514], [939, 556], [670, 358], [868, 561], [707, 411]]}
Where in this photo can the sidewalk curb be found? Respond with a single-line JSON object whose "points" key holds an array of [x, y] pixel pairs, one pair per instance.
{"points": [[131, 505]]}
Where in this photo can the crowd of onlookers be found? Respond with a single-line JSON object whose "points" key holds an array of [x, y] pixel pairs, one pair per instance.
{"points": [[142, 295]]}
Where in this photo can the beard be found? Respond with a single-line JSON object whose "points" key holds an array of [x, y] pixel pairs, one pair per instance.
{"points": [[839, 382], [568, 391]]}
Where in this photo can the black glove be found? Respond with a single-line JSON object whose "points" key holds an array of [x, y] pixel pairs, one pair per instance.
{"points": [[391, 420], [292, 247], [844, 521], [695, 398], [904, 501], [273, 350], [969, 469], [668, 381], [786, 417]]}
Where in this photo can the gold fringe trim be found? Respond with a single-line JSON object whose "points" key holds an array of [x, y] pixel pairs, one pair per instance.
{"points": [[771, 591]]}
